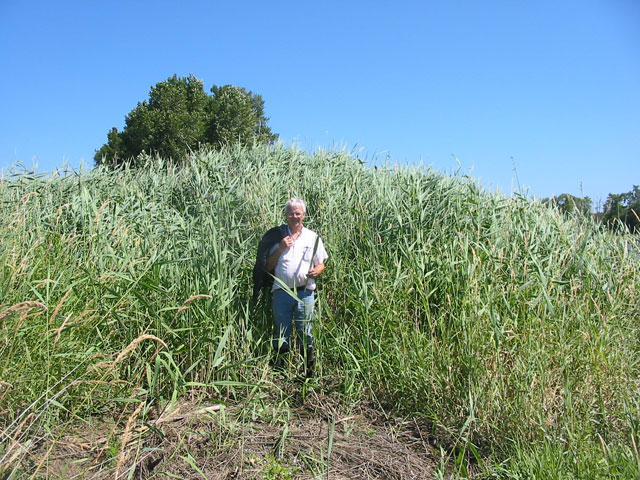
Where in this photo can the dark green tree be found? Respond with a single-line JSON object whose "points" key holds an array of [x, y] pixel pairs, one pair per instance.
{"points": [[180, 117], [112, 151], [237, 117], [570, 204], [623, 208]]}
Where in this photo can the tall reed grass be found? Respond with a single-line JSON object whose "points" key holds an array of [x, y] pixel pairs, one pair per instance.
{"points": [[510, 329]]}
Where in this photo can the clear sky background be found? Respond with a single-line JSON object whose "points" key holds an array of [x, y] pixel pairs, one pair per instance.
{"points": [[547, 89]]}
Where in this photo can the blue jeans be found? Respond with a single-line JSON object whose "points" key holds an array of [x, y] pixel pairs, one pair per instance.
{"points": [[285, 308]]}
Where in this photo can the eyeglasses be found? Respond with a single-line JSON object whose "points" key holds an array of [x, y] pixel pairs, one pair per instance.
{"points": [[294, 214]]}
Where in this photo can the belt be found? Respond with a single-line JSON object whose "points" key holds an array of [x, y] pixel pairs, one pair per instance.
{"points": [[298, 289]]}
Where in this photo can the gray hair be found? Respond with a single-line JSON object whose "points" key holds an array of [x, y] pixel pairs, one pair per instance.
{"points": [[295, 202]]}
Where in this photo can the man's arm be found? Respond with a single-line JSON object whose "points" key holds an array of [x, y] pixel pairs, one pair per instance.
{"points": [[316, 271], [272, 261]]}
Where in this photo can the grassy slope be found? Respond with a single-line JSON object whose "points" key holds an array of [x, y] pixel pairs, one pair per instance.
{"points": [[511, 329]]}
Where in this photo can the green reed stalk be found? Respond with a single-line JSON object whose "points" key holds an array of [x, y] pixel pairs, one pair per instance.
{"points": [[509, 327]]}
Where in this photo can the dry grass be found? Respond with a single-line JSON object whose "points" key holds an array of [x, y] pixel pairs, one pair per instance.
{"points": [[21, 307], [126, 437], [110, 365], [365, 444], [185, 305]]}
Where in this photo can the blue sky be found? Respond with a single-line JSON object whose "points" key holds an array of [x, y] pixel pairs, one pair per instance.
{"points": [[547, 89]]}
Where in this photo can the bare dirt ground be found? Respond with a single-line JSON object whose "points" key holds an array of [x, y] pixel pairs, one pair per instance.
{"points": [[310, 438]]}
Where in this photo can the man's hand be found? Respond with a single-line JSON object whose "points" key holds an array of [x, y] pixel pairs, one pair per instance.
{"points": [[316, 271], [286, 242], [272, 261]]}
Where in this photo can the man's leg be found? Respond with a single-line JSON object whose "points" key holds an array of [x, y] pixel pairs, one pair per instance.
{"points": [[282, 305], [303, 316]]}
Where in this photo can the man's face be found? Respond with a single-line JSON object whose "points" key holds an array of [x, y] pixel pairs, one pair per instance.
{"points": [[295, 215]]}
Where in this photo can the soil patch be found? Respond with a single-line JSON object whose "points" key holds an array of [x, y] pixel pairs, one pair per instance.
{"points": [[316, 438]]}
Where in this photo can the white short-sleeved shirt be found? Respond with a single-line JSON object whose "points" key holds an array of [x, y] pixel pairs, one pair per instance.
{"points": [[295, 262]]}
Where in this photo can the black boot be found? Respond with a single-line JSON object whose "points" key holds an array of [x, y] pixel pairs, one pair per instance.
{"points": [[309, 361], [279, 359], [278, 363]]}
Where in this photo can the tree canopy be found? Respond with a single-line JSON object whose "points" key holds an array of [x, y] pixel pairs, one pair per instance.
{"points": [[570, 204], [623, 208], [180, 116]]}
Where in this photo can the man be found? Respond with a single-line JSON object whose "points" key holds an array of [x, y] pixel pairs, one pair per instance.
{"points": [[298, 259]]}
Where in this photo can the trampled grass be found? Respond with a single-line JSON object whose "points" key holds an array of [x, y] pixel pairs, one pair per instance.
{"points": [[509, 329]]}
